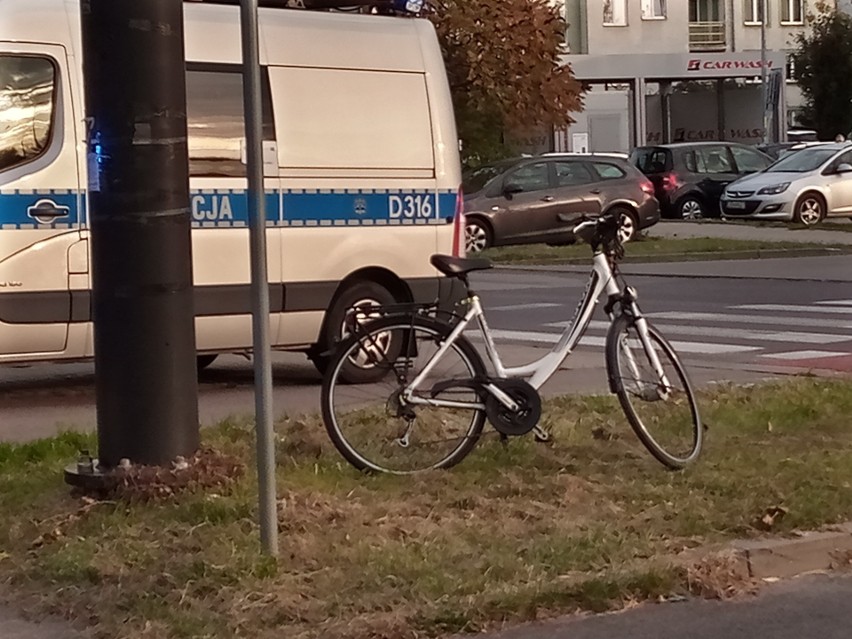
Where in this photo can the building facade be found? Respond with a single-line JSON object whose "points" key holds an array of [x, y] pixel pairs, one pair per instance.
{"points": [[667, 70]]}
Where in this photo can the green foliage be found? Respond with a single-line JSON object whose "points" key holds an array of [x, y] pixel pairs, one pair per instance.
{"points": [[505, 73], [823, 62]]}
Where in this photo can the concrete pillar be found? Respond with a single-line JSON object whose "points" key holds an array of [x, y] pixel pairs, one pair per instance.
{"points": [[666, 106], [721, 120], [640, 124]]}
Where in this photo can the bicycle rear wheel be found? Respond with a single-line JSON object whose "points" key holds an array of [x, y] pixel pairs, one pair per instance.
{"points": [[661, 409], [372, 425]]}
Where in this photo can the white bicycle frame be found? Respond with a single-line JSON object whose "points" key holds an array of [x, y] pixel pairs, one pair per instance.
{"points": [[536, 373]]}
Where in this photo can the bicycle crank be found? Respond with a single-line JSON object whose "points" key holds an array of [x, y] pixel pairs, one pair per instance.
{"points": [[514, 422]]}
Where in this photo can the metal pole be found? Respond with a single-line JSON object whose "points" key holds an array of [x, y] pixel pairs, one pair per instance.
{"points": [[138, 195], [764, 75], [259, 278]]}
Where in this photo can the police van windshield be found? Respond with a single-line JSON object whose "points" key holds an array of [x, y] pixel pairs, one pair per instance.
{"points": [[26, 108]]}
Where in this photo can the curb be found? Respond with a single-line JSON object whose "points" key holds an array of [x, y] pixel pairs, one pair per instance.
{"points": [[785, 558]]}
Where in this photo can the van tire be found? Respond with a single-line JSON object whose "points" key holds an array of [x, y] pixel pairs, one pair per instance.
{"points": [[360, 293], [203, 361]]}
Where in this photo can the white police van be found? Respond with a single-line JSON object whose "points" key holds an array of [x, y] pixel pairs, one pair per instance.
{"points": [[361, 163]]}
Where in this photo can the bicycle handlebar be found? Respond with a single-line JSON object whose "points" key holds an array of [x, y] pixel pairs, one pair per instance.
{"points": [[596, 230]]}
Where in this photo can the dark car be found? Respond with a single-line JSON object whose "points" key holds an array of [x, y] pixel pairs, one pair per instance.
{"points": [[689, 177], [519, 201]]}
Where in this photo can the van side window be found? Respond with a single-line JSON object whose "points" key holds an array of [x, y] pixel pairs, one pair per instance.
{"points": [[352, 122], [27, 102], [215, 120]]}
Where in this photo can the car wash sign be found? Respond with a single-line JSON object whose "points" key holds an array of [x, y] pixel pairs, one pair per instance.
{"points": [[734, 65]]}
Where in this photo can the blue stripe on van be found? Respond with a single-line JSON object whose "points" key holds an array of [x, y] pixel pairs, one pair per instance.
{"points": [[226, 208], [20, 209]]}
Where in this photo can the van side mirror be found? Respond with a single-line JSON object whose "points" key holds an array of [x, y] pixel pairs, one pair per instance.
{"points": [[843, 168]]}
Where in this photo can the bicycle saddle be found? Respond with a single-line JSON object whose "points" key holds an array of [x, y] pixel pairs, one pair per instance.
{"points": [[459, 266]]}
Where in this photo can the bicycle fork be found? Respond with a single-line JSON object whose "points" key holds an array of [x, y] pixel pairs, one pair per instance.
{"points": [[661, 389]]}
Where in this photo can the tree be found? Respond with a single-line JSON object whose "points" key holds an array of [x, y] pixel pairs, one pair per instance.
{"points": [[504, 68], [823, 64]]}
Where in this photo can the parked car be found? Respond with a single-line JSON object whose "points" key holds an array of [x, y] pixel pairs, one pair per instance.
{"points": [[805, 186], [689, 177], [519, 201], [779, 150]]}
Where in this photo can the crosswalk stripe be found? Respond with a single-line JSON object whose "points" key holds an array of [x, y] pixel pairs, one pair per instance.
{"points": [[750, 319], [517, 307], [794, 355], [834, 303], [732, 333], [591, 340], [793, 308]]}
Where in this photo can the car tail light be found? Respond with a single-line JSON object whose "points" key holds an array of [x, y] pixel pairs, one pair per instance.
{"points": [[458, 226], [671, 182], [647, 186]]}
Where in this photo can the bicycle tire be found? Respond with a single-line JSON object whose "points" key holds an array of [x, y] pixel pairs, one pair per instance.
{"points": [[645, 393], [353, 410]]}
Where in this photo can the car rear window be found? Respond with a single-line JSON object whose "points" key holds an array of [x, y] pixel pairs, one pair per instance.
{"points": [[652, 159], [608, 171]]}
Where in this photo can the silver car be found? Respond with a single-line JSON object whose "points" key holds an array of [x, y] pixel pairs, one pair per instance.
{"points": [[806, 187]]}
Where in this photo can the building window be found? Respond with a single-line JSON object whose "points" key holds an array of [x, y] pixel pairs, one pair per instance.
{"points": [[615, 12], [653, 9], [791, 69], [754, 11], [792, 11]]}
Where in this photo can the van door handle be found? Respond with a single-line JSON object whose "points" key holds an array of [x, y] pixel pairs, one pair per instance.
{"points": [[548, 198], [45, 211], [595, 191]]}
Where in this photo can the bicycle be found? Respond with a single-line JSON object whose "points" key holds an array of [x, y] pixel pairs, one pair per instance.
{"points": [[423, 379]]}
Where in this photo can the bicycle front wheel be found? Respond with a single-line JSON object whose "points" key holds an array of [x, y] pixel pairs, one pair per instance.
{"points": [[373, 425], [659, 403]]}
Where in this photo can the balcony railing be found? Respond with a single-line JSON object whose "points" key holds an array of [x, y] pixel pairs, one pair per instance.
{"points": [[707, 36]]}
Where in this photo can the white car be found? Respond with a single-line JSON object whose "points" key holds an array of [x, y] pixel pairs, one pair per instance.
{"points": [[806, 187]]}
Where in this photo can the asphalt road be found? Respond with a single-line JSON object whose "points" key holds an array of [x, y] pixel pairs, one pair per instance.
{"points": [[804, 608], [736, 320]]}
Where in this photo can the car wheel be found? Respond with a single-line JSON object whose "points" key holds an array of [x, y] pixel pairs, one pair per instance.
{"points": [[690, 207], [628, 225], [355, 304], [810, 209], [477, 236]]}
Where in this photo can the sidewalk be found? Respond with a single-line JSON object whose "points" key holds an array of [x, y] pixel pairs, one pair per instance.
{"points": [[738, 231]]}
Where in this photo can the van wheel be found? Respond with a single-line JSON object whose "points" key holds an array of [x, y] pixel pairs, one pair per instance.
{"points": [[203, 361], [355, 304], [477, 236], [810, 209]]}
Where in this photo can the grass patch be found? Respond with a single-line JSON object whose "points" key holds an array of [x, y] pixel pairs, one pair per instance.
{"points": [[657, 249], [511, 534]]}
